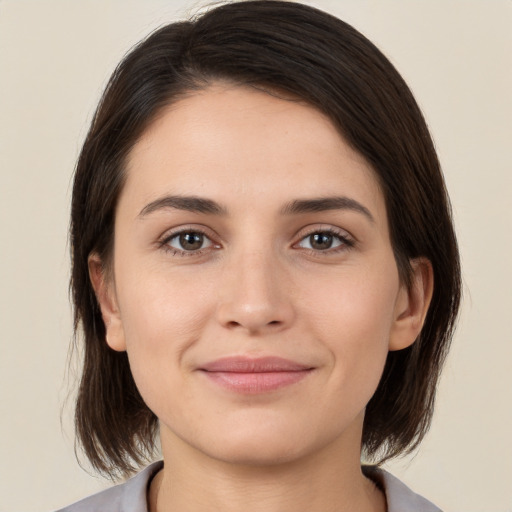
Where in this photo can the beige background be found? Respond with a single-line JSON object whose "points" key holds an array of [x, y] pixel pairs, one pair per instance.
{"points": [[55, 56]]}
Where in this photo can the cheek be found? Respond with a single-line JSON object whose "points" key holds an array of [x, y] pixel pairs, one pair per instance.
{"points": [[162, 317], [151, 312], [357, 305], [354, 317], [159, 307]]}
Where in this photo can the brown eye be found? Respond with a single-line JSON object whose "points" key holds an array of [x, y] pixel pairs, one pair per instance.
{"points": [[189, 241], [324, 240], [321, 241]]}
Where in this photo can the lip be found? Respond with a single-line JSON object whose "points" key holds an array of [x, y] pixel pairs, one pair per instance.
{"points": [[255, 375]]}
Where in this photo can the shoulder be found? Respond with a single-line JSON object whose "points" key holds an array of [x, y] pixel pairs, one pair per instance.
{"points": [[127, 497], [399, 497]]}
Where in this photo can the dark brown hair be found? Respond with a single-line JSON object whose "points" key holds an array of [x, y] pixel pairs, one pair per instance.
{"points": [[309, 54]]}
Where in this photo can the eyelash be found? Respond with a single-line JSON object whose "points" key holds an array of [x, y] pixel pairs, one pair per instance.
{"points": [[347, 242], [164, 243]]}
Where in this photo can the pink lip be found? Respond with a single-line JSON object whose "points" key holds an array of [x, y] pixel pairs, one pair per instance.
{"points": [[253, 376]]}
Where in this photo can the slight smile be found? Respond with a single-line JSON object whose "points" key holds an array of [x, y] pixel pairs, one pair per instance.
{"points": [[254, 376]]}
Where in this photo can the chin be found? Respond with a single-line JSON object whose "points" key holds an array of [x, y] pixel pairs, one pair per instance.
{"points": [[256, 452], [262, 443]]}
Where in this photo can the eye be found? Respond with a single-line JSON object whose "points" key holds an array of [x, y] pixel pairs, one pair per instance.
{"points": [[324, 240], [188, 241]]}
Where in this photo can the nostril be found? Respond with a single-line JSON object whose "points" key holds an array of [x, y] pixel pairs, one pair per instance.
{"points": [[234, 324]]}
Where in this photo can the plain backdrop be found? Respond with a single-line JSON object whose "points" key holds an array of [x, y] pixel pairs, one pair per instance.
{"points": [[55, 58]]}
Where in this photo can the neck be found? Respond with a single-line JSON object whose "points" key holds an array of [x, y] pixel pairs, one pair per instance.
{"points": [[330, 480]]}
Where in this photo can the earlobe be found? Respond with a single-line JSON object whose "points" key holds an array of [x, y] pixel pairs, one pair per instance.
{"points": [[103, 286], [412, 305]]}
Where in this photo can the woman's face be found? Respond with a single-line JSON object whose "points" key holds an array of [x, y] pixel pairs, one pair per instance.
{"points": [[254, 285]]}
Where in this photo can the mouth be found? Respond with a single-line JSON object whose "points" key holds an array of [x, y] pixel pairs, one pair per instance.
{"points": [[253, 376]]}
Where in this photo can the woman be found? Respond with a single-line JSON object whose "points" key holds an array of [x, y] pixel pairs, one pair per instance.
{"points": [[264, 269]]}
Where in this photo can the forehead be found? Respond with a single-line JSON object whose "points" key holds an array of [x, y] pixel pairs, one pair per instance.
{"points": [[238, 144]]}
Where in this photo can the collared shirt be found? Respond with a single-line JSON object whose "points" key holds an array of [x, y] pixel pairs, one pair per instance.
{"points": [[131, 496]]}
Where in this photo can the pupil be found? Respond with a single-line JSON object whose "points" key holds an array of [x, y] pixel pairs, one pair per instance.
{"points": [[321, 241], [191, 241]]}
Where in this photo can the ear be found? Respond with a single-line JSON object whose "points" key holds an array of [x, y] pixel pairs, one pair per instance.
{"points": [[103, 285], [412, 305]]}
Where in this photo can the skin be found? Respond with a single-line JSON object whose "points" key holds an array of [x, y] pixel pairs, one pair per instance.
{"points": [[257, 286]]}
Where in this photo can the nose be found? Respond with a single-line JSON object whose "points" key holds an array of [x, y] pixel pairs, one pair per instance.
{"points": [[255, 295]]}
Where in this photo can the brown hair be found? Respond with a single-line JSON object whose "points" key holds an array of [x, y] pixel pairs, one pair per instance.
{"points": [[299, 50]]}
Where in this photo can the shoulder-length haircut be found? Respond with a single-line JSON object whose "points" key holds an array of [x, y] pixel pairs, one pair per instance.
{"points": [[298, 51]]}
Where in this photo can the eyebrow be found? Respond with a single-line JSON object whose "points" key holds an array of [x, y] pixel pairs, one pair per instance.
{"points": [[188, 203], [323, 204], [297, 206]]}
